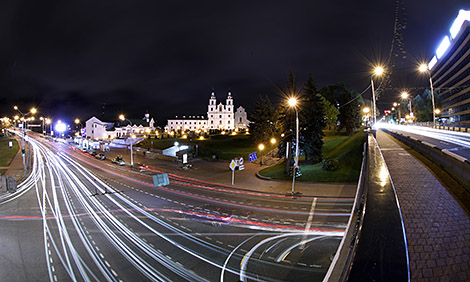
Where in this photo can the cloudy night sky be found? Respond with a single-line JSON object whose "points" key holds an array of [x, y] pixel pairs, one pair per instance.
{"points": [[69, 57]]}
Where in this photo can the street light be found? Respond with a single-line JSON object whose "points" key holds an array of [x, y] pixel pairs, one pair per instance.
{"points": [[405, 96], [260, 148], [78, 123], [377, 71], [423, 68], [366, 111], [49, 122], [122, 117], [293, 103], [23, 152]]}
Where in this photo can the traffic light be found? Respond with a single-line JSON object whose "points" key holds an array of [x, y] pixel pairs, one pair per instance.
{"points": [[23, 153]]}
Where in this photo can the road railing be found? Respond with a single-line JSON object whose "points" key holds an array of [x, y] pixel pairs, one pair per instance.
{"points": [[339, 267], [374, 245]]}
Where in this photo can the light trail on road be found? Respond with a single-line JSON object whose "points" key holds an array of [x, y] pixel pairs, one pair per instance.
{"points": [[458, 138], [96, 227]]}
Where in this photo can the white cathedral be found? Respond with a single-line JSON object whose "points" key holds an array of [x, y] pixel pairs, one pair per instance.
{"points": [[219, 117]]}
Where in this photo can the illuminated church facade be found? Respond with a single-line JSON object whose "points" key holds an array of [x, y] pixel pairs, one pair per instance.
{"points": [[219, 117]]}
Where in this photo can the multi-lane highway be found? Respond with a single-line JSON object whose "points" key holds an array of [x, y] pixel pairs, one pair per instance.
{"points": [[453, 141], [76, 218]]}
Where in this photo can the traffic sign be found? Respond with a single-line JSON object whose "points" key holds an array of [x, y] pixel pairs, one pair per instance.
{"points": [[253, 157], [232, 165], [241, 165]]}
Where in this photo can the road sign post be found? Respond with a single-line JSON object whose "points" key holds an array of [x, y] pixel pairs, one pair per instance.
{"points": [[232, 166], [241, 165]]}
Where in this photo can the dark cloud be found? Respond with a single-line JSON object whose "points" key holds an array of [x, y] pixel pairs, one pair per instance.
{"points": [[69, 58]]}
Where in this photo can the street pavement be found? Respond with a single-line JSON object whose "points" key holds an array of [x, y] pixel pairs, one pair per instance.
{"points": [[79, 218], [437, 227], [220, 173]]}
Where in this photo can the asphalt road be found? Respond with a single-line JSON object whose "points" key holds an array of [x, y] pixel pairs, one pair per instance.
{"points": [[456, 142], [77, 218]]}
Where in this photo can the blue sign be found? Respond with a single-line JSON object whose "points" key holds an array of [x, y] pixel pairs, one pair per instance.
{"points": [[253, 156], [161, 180]]}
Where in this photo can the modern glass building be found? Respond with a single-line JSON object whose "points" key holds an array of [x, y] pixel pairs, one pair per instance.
{"points": [[450, 71]]}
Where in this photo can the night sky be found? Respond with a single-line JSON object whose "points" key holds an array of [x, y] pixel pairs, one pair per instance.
{"points": [[68, 58]]}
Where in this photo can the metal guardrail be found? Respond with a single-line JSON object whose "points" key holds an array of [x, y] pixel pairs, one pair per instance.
{"points": [[339, 267], [374, 245]]}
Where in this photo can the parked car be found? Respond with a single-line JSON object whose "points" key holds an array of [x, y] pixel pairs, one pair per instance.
{"points": [[100, 156], [91, 152]]}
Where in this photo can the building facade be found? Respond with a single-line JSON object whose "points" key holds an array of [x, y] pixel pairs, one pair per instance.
{"points": [[100, 130], [450, 71], [219, 117], [191, 123]]}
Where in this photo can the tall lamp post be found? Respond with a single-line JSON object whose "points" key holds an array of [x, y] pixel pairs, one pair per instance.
{"points": [[424, 69], [78, 123], [293, 103], [23, 152], [49, 123], [377, 71], [122, 117], [405, 96]]}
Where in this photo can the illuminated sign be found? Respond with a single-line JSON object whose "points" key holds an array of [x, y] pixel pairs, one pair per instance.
{"points": [[461, 18], [445, 43], [60, 127], [432, 62]]}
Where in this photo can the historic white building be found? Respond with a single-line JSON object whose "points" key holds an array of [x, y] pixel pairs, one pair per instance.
{"points": [[99, 130], [191, 123], [219, 116]]}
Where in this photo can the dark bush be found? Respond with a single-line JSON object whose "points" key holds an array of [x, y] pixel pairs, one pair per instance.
{"points": [[329, 164]]}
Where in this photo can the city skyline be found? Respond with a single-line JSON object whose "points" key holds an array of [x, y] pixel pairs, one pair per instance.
{"points": [[69, 59]]}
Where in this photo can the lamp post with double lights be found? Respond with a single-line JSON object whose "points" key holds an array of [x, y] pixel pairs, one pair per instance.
{"points": [[79, 124], [406, 96], [293, 103], [123, 118], [23, 152], [423, 68], [378, 71]]}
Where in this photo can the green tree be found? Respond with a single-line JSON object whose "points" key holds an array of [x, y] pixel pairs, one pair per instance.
{"points": [[331, 113], [264, 121], [349, 108], [313, 122]]}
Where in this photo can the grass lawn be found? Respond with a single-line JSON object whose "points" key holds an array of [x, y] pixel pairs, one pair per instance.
{"points": [[346, 149], [2, 171], [226, 147], [6, 153]]}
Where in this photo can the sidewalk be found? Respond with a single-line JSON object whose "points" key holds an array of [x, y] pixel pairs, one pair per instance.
{"points": [[437, 227], [16, 168], [219, 172]]}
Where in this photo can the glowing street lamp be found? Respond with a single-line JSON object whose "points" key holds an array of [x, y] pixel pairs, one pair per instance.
{"points": [[405, 96], [32, 111], [273, 140], [378, 71], [293, 103], [423, 68], [261, 148], [122, 117]]}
